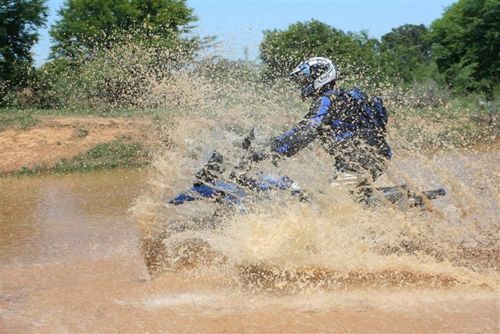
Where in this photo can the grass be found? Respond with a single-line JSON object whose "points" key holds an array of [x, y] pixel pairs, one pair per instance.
{"points": [[19, 120], [119, 153], [460, 122], [11, 117], [420, 131], [115, 154], [68, 111]]}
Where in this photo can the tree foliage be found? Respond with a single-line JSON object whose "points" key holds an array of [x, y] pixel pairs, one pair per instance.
{"points": [[282, 50], [86, 25], [407, 52], [466, 44], [19, 20]]}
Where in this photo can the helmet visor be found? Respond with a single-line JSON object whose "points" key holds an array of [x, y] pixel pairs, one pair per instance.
{"points": [[301, 74]]}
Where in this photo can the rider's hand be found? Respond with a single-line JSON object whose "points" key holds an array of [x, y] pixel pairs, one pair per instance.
{"points": [[255, 156]]}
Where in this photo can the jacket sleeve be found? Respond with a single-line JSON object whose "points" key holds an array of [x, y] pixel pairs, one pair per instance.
{"points": [[305, 131]]}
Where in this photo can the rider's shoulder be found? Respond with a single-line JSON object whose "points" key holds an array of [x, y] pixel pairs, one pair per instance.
{"points": [[341, 93], [357, 94], [334, 96], [333, 93], [322, 102]]}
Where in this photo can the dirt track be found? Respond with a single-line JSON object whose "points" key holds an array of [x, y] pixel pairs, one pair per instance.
{"points": [[56, 138]]}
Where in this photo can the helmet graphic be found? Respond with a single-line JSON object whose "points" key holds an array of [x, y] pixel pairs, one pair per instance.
{"points": [[314, 73]]}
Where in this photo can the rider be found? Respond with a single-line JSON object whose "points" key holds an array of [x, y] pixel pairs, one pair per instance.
{"points": [[349, 124]]}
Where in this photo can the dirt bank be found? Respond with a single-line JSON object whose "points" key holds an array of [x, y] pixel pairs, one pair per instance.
{"points": [[54, 138]]}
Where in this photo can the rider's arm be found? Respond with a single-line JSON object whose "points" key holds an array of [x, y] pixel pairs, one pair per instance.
{"points": [[304, 132]]}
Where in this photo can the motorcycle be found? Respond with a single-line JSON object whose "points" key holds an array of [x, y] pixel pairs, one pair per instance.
{"points": [[231, 194]]}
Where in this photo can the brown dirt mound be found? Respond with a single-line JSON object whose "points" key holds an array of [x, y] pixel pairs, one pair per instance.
{"points": [[56, 138], [272, 279]]}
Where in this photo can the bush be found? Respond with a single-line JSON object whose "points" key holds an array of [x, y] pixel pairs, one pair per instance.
{"points": [[119, 77], [425, 94]]}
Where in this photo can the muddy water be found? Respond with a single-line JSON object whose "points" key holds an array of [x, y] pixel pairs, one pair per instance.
{"points": [[70, 263]]}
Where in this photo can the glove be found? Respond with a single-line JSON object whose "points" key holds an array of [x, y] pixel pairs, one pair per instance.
{"points": [[255, 156], [258, 156]]}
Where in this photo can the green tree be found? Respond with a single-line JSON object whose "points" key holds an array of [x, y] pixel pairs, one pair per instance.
{"points": [[281, 50], [86, 25], [19, 21], [466, 45], [406, 51]]}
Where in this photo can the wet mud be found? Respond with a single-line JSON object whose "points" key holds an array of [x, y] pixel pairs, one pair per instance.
{"points": [[70, 256]]}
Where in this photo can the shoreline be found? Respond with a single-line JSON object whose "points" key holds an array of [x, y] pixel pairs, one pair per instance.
{"points": [[61, 144], [35, 142]]}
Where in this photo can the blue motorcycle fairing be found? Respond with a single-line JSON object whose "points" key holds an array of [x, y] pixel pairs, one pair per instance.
{"points": [[270, 182], [196, 192], [182, 198], [228, 192]]}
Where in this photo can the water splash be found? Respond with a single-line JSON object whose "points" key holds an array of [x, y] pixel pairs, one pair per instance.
{"points": [[333, 243]]}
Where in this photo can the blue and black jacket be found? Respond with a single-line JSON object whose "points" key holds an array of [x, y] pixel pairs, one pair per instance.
{"points": [[344, 121]]}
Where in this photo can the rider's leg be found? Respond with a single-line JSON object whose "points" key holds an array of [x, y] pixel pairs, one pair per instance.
{"points": [[368, 165]]}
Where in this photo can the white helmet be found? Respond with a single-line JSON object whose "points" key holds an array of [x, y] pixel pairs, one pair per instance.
{"points": [[314, 73]]}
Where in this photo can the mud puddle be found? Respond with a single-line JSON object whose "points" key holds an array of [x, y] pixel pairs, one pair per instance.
{"points": [[70, 263]]}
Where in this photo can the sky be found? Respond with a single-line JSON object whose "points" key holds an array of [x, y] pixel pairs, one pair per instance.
{"points": [[239, 24]]}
